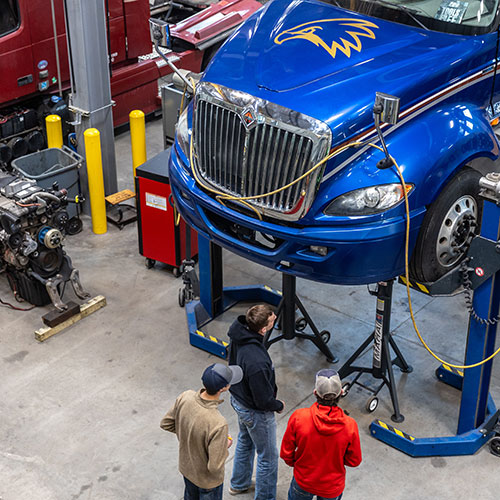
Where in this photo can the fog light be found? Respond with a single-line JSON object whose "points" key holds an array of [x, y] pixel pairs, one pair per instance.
{"points": [[319, 250]]}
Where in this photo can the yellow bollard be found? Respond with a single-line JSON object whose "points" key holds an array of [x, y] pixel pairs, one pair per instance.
{"points": [[54, 131], [138, 137], [95, 177]]}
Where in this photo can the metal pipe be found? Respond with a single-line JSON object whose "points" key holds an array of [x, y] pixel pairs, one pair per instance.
{"points": [[173, 67], [58, 65]]}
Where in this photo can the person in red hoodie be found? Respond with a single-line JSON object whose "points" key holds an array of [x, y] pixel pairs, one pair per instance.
{"points": [[319, 442]]}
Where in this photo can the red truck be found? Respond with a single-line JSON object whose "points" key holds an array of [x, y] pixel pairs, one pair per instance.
{"points": [[29, 76]]}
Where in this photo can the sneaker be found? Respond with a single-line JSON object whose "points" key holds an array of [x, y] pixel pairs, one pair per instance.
{"points": [[232, 491]]}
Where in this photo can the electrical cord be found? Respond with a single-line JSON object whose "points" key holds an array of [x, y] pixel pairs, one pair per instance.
{"points": [[407, 276], [8, 304], [464, 270], [16, 296]]}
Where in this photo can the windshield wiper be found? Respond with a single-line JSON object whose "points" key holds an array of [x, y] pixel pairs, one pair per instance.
{"points": [[411, 12]]}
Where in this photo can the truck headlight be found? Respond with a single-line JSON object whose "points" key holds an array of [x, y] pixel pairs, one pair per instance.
{"points": [[182, 133], [367, 201]]}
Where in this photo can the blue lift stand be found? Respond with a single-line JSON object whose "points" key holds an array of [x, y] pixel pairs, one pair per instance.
{"points": [[382, 361], [293, 328], [478, 417], [214, 300]]}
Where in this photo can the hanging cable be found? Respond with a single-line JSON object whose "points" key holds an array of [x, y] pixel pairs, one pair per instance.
{"points": [[407, 276]]}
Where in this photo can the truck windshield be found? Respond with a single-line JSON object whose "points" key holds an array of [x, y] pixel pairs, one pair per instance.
{"points": [[471, 17]]}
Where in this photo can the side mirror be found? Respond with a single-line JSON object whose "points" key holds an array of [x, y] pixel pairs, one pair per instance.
{"points": [[387, 106], [160, 33], [385, 110]]}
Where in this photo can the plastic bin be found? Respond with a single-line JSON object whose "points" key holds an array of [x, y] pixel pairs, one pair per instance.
{"points": [[53, 165]]}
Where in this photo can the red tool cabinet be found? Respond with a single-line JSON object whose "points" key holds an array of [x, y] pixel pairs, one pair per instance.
{"points": [[159, 238]]}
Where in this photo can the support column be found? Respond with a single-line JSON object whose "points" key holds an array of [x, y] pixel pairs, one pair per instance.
{"points": [[89, 70]]}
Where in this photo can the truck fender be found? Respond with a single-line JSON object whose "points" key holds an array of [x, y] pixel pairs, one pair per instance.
{"points": [[450, 137]]}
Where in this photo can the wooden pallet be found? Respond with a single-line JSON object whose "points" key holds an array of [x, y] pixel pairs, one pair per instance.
{"points": [[89, 307]]}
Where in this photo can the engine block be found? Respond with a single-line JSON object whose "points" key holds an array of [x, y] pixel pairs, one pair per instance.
{"points": [[33, 224]]}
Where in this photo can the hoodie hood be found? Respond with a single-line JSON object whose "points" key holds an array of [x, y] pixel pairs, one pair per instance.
{"points": [[328, 420], [239, 333]]}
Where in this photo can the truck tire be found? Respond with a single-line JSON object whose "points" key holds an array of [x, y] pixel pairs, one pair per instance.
{"points": [[449, 225]]}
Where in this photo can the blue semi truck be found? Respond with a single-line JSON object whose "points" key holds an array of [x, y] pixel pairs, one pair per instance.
{"points": [[295, 84]]}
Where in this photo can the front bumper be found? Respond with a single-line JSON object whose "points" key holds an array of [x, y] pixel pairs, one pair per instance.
{"points": [[357, 254]]}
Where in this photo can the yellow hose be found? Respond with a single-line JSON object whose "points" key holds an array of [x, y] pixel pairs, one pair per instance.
{"points": [[407, 276]]}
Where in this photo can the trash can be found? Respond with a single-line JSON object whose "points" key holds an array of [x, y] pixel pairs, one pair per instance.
{"points": [[53, 165]]}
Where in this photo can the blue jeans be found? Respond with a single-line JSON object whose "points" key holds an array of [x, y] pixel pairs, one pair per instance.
{"points": [[193, 492], [257, 434], [297, 493]]}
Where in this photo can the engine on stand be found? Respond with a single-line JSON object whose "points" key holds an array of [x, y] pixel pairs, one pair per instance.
{"points": [[33, 224]]}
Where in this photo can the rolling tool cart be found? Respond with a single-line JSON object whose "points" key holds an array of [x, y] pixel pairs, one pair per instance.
{"points": [[160, 238]]}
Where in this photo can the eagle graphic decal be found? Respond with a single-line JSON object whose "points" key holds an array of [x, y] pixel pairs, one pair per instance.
{"points": [[316, 32]]}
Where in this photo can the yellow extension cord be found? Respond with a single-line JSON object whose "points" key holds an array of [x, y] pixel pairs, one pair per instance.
{"points": [[220, 196], [407, 240]]}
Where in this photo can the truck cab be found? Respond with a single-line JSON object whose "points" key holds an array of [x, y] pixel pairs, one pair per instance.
{"points": [[276, 157]]}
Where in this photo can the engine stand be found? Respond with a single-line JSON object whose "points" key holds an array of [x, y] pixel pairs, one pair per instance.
{"points": [[382, 361], [292, 328]]}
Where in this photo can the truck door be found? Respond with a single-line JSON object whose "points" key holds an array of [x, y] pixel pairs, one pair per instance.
{"points": [[16, 58]]}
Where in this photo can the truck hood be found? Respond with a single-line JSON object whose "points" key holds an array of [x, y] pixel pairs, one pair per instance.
{"points": [[312, 41], [328, 62]]}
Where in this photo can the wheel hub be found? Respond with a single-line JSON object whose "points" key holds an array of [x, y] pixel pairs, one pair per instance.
{"points": [[457, 231]]}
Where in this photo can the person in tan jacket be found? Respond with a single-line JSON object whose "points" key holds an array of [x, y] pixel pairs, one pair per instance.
{"points": [[203, 433]]}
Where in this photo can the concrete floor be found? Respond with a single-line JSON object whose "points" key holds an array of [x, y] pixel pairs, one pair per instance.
{"points": [[80, 413]]}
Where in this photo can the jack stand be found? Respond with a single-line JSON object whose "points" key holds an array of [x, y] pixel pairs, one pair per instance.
{"points": [[292, 328], [382, 362]]}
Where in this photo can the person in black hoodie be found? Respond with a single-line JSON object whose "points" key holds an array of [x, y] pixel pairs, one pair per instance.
{"points": [[254, 400]]}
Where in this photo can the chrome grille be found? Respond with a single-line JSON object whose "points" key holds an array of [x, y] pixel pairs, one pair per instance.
{"points": [[248, 161]]}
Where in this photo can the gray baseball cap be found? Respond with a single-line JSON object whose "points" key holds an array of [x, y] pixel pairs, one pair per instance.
{"points": [[328, 384], [217, 376]]}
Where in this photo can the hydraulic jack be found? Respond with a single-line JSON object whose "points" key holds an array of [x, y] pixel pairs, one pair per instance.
{"points": [[382, 361]]}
